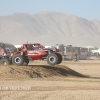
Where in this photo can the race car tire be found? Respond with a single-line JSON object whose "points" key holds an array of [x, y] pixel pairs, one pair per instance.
{"points": [[52, 59]]}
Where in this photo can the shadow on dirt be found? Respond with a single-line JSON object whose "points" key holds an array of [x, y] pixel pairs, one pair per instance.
{"points": [[39, 71], [50, 71]]}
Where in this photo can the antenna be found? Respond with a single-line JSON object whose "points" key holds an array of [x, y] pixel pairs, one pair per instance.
{"points": [[27, 41]]}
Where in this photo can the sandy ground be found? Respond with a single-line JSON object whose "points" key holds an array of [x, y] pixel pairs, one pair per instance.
{"points": [[38, 81]]}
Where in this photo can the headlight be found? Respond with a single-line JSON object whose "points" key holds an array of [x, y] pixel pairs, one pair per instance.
{"points": [[21, 53], [11, 54]]}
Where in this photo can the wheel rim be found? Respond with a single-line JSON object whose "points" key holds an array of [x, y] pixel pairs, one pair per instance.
{"points": [[17, 60], [52, 59]]}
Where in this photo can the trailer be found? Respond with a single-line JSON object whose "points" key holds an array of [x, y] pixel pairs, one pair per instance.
{"points": [[71, 53]]}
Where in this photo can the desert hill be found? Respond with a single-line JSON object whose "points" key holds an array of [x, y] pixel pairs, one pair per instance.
{"points": [[37, 71], [49, 28]]}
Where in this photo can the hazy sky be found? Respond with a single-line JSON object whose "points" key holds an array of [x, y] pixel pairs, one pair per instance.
{"points": [[89, 9]]}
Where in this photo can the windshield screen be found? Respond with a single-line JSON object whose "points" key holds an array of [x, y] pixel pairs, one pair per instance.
{"points": [[32, 47]]}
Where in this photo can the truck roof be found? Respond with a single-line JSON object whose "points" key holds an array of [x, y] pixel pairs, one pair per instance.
{"points": [[8, 46]]}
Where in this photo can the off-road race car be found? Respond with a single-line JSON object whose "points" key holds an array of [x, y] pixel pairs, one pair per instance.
{"points": [[29, 51], [6, 53]]}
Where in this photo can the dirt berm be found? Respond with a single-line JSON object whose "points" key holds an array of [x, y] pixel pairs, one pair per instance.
{"points": [[36, 71]]}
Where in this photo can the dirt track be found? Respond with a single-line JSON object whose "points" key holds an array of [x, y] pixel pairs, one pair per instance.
{"points": [[39, 81]]}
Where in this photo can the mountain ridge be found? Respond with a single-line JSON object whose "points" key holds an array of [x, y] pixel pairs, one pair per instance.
{"points": [[49, 28]]}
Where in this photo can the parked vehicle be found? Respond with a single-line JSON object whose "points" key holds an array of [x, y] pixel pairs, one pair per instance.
{"points": [[73, 53]]}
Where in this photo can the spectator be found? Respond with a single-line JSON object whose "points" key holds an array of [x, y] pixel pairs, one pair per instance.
{"points": [[72, 55]]}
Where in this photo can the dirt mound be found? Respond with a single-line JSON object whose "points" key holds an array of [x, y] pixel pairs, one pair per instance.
{"points": [[37, 71]]}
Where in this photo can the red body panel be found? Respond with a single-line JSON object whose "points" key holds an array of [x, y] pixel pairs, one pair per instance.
{"points": [[35, 53]]}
